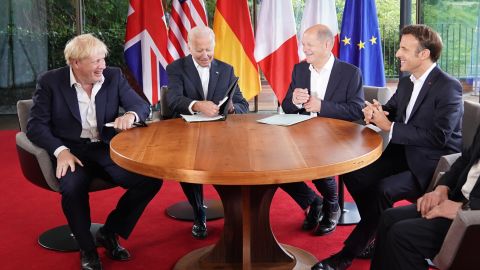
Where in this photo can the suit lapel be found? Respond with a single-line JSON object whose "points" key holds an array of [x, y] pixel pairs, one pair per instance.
{"points": [[335, 76], [431, 78], [70, 95], [408, 89], [303, 77], [101, 104], [192, 74], [212, 82]]}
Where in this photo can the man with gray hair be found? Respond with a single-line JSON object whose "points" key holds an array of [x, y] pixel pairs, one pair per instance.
{"points": [[71, 106], [326, 87], [197, 83]]}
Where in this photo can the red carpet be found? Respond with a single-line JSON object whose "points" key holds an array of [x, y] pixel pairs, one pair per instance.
{"points": [[157, 242]]}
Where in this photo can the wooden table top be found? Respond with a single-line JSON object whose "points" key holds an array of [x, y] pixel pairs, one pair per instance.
{"points": [[241, 151]]}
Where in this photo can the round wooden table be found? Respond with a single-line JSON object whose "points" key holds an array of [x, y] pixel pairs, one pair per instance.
{"points": [[245, 161]]}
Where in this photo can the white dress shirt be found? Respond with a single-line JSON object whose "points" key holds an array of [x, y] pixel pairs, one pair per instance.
{"points": [[87, 109], [417, 86], [472, 178], [319, 80], [204, 73]]}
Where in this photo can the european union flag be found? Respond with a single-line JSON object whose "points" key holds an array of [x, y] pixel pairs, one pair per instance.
{"points": [[360, 40]]}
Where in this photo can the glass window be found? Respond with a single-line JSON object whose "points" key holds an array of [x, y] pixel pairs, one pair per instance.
{"points": [[458, 24]]}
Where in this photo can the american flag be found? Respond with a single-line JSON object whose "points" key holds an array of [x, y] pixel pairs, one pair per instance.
{"points": [[185, 15], [146, 46]]}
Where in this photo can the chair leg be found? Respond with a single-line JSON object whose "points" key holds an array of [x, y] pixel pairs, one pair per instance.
{"points": [[61, 238], [350, 215]]}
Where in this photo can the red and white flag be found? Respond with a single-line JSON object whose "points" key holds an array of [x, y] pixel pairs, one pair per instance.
{"points": [[276, 44], [319, 11], [185, 15]]}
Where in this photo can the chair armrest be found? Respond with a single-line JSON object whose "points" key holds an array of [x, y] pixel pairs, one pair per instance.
{"points": [[42, 157], [443, 166], [455, 235]]}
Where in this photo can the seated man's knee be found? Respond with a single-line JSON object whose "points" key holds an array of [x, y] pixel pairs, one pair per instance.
{"points": [[74, 187], [388, 218]]}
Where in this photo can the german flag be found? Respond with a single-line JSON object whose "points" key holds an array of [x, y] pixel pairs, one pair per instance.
{"points": [[235, 43]]}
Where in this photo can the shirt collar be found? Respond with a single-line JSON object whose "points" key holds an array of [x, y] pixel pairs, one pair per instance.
{"points": [[74, 82], [424, 75], [197, 65], [328, 65]]}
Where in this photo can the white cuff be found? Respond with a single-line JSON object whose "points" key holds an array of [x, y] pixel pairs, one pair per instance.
{"points": [[134, 114], [391, 132], [190, 107], [59, 149]]}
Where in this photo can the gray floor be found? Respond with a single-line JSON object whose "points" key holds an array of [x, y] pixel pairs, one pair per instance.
{"points": [[9, 121]]}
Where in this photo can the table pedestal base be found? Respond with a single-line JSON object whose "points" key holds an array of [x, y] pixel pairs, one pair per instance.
{"points": [[303, 260], [247, 241]]}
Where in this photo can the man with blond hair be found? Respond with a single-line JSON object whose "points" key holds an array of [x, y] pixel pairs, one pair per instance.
{"points": [[71, 106]]}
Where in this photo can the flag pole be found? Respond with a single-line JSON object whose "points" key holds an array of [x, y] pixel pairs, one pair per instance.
{"points": [[255, 99]]}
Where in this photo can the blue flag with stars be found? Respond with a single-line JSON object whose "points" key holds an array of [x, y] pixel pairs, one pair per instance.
{"points": [[360, 40]]}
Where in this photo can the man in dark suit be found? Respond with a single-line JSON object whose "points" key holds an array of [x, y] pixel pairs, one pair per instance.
{"points": [[327, 87], [407, 235], [423, 119], [71, 107], [197, 83]]}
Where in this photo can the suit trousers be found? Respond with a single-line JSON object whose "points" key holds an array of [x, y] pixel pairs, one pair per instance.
{"points": [[404, 239], [74, 188], [304, 195], [376, 188], [194, 194]]}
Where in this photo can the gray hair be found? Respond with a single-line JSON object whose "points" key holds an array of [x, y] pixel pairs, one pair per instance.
{"points": [[83, 46], [323, 31], [201, 31]]}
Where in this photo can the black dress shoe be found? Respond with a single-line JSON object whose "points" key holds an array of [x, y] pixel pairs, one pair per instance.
{"points": [[199, 230], [89, 260], [110, 242], [314, 215], [367, 253], [334, 262], [329, 222]]}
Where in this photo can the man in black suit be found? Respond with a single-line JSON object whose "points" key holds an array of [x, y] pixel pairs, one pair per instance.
{"points": [[197, 83], [423, 118], [327, 87], [407, 235], [71, 106]]}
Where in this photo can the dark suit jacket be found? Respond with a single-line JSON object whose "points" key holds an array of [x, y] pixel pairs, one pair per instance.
{"points": [[344, 96], [434, 127], [457, 176], [185, 86], [55, 115]]}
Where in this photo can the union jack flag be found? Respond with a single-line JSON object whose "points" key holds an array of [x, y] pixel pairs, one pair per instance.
{"points": [[146, 46]]}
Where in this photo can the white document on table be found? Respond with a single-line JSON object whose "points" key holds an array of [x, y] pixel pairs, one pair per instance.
{"points": [[285, 119], [200, 118]]}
